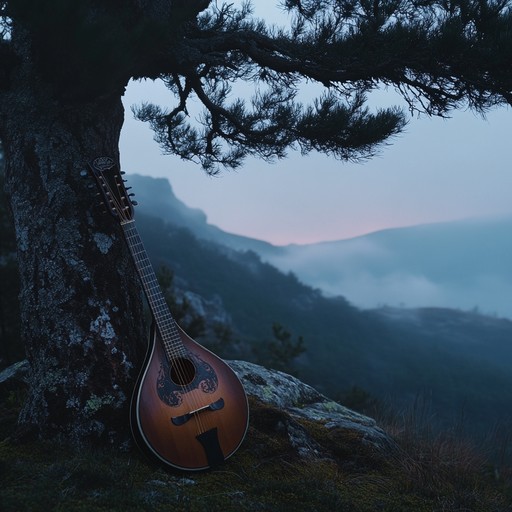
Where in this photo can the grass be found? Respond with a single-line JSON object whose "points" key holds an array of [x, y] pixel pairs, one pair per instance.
{"points": [[422, 474]]}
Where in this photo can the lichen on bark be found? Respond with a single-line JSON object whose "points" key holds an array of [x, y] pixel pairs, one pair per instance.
{"points": [[81, 308]]}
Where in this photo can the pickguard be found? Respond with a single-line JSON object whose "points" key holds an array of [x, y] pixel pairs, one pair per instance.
{"points": [[172, 392]]}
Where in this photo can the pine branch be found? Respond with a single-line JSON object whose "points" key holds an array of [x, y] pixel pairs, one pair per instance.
{"points": [[438, 60]]}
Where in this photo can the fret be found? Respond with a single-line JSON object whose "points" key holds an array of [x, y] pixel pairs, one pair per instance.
{"points": [[163, 318]]}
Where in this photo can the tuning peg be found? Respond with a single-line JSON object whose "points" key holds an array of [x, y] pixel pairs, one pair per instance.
{"points": [[84, 174], [134, 203], [123, 172], [131, 194]]}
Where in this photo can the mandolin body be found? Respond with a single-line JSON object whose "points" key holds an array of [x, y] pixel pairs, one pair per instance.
{"points": [[190, 411]]}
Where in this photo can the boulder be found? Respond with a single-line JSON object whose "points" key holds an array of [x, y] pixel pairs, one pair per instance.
{"points": [[314, 425], [305, 405]]}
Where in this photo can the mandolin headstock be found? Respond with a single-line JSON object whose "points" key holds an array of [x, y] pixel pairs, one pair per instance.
{"points": [[110, 182]]}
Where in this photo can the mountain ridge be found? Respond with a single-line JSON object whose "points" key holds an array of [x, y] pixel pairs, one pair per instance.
{"points": [[454, 359], [450, 359], [156, 198], [406, 266]]}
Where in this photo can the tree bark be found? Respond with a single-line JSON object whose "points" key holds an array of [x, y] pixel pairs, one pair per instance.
{"points": [[80, 298], [81, 309]]}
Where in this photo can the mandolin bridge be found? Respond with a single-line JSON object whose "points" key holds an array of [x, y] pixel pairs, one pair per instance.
{"points": [[214, 406]]}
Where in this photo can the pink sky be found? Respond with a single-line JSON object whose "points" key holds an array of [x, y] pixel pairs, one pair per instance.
{"points": [[437, 170]]}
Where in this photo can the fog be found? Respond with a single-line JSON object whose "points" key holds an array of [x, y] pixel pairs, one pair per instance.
{"points": [[462, 265]]}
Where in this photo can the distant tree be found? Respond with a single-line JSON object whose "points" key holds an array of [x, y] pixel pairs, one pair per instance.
{"points": [[64, 66], [359, 399], [281, 351], [224, 339]]}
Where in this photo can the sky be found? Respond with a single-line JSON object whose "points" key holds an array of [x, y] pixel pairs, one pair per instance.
{"points": [[437, 170]]}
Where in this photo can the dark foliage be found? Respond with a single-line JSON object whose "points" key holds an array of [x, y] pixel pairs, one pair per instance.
{"points": [[437, 55]]}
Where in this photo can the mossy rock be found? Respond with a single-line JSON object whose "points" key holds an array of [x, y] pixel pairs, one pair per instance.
{"points": [[304, 405]]}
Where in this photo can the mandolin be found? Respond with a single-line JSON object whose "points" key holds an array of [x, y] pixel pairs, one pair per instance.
{"points": [[189, 410]]}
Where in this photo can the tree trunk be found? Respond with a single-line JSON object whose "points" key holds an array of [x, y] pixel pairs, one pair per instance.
{"points": [[80, 299], [81, 307]]}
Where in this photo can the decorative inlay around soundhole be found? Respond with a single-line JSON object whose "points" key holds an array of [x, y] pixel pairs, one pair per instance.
{"points": [[182, 375]]}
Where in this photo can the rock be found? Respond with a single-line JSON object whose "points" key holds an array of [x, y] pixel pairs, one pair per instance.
{"points": [[296, 407], [302, 401]]}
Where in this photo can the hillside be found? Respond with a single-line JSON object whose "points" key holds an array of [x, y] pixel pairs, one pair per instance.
{"points": [[156, 198], [456, 361], [463, 265], [302, 452]]}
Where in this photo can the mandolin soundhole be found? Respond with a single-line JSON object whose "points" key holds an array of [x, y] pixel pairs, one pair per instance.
{"points": [[183, 371]]}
